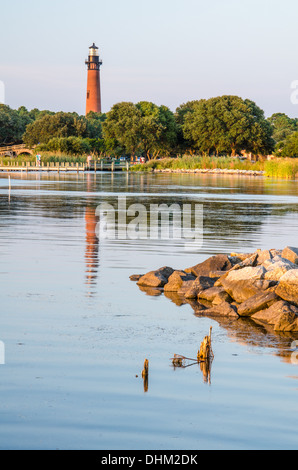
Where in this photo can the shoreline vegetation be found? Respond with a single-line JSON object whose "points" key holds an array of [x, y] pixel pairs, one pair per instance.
{"points": [[286, 168], [276, 168], [221, 134]]}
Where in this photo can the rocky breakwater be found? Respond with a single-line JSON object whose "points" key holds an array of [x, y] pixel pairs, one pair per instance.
{"points": [[262, 286]]}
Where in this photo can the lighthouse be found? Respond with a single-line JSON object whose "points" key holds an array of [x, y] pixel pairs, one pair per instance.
{"points": [[93, 99]]}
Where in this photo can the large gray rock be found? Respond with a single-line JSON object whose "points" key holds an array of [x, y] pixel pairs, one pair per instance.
{"points": [[248, 262], [214, 263], [244, 283], [158, 278], [287, 288], [277, 267], [291, 254], [260, 301], [281, 315]]}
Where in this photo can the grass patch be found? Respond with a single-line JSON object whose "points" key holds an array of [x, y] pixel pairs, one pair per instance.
{"points": [[282, 168], [46, 157], [199, 163]]}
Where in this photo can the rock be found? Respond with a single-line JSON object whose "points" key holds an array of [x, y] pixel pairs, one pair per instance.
{"points": [[282, 315], [235, 259], [241, 256], [224, 309], [257, 302], [262, 286], [185, 287], [263, 256], [277, 267], [136, 277], [215, 295], [200, 284], [250, 261], [157, 278], [287, 288], [217, 274], [291, 254], [215, 263], [176, 280], [242, 290], [275, 252], [248, 273], [244, 283]]}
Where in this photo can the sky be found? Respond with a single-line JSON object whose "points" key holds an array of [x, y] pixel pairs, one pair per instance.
{"points": [[165, 51]]}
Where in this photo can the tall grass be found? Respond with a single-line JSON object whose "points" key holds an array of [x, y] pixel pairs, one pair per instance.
{"points": [[46, 157], [195, 162], [282, 168]]}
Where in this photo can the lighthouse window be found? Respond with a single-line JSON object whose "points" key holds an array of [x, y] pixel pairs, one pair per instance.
{"points": [[88, 95]]}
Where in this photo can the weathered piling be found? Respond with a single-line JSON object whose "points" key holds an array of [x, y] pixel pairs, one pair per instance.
{"points": [[205, 352]]}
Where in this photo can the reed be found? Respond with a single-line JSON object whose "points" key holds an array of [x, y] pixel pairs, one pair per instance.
{"points": [[282, 168], [194, 162]]}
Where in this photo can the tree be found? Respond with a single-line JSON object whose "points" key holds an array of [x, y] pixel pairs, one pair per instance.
{"points": [[169, 136], [94, 124], [12, 125], [59, 125], [289, 146], [123, 126], [157, 129], [227, 124], [142, 128], [283, 126]]}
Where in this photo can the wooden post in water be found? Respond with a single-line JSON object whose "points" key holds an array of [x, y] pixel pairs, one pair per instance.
{"points": [[113, 165], [145, 375], [205, 351]]}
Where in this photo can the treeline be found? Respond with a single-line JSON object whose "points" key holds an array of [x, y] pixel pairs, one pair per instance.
{"points": [[226, 125]]}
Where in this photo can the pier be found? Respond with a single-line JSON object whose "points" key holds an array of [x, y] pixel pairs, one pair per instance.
{"points": [[94, 166]]}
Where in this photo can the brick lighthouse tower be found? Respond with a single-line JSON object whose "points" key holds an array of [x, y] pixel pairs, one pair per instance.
{"points": [[93, 101]]}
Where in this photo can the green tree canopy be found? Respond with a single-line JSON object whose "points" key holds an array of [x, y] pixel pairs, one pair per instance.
{"points": [[157, 129], [226, 124], [61, 124], [144, 127], [283, 126], [289, 146], [123, 126], [12, 125]]}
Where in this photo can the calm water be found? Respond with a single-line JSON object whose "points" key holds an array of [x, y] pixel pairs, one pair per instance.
{"points": [[76, 329]]}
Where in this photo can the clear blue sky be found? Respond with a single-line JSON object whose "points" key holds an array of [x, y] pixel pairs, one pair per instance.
{"points": [[165, 51]]}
